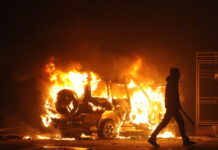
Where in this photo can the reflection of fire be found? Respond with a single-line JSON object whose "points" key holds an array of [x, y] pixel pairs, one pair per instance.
{"points": [[43, 137], [48, 137], [147, 106]]}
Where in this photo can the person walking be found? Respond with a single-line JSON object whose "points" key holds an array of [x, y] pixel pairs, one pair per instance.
{"points": [[173, 105]]}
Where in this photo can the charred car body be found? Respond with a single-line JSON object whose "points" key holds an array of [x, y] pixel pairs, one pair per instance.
{"points": [[90, 115]]}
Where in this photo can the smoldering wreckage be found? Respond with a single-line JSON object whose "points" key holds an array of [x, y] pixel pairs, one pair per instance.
{"points": [[81, 104]]}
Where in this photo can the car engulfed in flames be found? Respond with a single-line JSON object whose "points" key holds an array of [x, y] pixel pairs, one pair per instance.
{"points": [[90, 114], [81, 103]]}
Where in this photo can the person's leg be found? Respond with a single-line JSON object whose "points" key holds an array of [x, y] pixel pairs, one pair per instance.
{"points": [[162, 125], [181, 125]]}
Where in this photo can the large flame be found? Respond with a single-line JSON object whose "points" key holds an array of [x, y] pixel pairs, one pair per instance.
{"points": [[73, 80], [147, 105]]}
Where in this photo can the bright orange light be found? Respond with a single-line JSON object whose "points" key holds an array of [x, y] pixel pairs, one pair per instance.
{"points": [[27, 137], [43, 137], [166, 134], [73, 80], [147, 104], [135, 67]]}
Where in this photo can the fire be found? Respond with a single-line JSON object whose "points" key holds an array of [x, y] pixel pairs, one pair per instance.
{"points": [[43, 137], [95, 108], [73, 80], [131, 84], [147, 105], [135, 67], [70, 107], [166, 134], [27, 137], [66, 139]]}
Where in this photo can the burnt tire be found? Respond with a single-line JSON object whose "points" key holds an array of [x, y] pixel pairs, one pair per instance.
{"points": [[64, 98], [108, 130]]}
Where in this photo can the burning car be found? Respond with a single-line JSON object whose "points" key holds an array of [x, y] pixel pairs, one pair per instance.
{"points": [[92, 114], [78, 102]]}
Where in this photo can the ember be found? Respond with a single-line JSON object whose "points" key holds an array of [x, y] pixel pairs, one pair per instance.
{"points": [[27, 137]]}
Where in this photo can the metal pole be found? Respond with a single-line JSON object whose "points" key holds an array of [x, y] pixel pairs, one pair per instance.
{"points": [[187, 116]]}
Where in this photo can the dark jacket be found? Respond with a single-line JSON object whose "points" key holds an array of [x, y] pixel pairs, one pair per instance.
{"points": [[172, 100]]}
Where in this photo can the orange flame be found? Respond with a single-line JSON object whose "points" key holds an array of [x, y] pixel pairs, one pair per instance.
{"points": [[147, 105], [166, 134], [27, 137], [43, 137], [73, 80]]}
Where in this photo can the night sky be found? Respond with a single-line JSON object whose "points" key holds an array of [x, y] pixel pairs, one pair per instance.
{"points": [[103, 36]]}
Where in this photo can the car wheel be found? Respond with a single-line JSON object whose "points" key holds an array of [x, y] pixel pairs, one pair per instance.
{"points": [[108, 129]]}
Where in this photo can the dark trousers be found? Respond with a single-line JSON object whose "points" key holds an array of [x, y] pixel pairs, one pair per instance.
{"points": [[169, 114]]}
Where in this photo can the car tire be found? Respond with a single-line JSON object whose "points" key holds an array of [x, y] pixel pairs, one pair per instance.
{"points": [[108, 130], [64, 98]]}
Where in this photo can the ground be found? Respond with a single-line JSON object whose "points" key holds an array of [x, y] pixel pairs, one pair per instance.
{"points": [[203, 143]]}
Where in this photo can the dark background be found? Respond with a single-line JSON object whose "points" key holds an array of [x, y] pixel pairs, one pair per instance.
{"points": [[104, 36]]}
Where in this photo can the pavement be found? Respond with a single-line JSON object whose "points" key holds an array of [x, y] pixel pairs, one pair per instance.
{"points": [[202, 143]]}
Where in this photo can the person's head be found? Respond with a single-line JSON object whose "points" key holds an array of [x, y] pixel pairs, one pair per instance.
{"points": [[175, 72]]}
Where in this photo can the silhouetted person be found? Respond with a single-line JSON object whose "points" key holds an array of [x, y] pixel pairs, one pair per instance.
{"points": [[172, 104]]}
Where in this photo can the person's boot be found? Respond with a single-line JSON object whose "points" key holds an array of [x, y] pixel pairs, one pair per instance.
{"points": [[153, 142], [187, 143]]}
